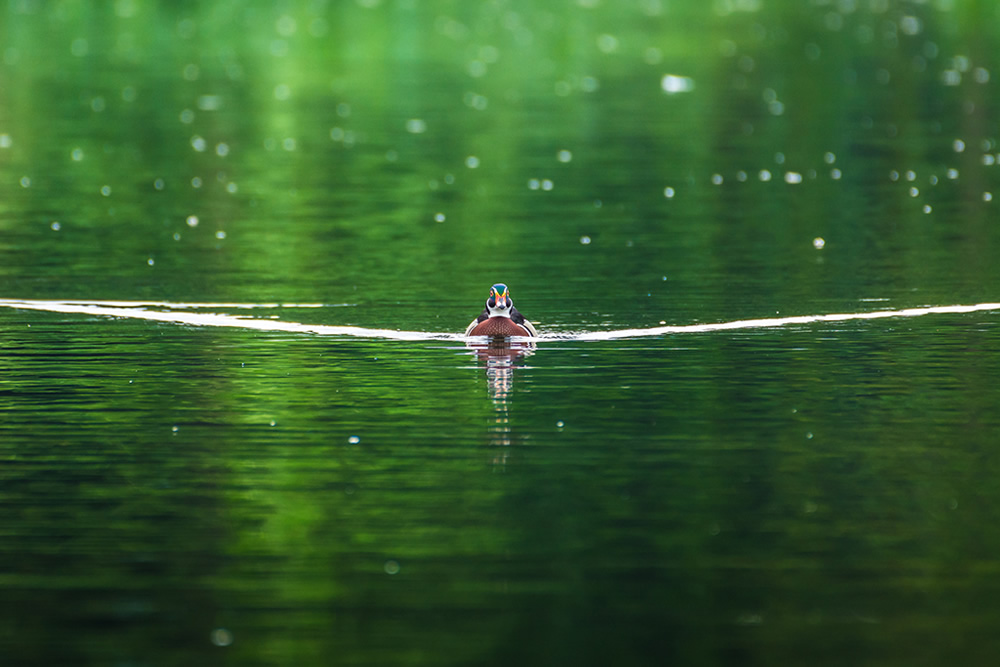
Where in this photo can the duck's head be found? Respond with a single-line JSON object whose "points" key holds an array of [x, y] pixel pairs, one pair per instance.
{"points": [[499, 302]]}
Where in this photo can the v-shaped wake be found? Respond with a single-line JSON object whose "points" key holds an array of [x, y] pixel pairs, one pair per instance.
{"points": [[192, 314]]}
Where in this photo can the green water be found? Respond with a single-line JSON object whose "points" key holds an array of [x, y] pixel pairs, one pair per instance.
{"points": [[823, 494]]}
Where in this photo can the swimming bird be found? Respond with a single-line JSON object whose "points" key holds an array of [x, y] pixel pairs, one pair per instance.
{"points": [[500, 317]]}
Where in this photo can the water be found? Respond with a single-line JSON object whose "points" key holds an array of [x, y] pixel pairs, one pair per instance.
{"points": [[308, 495], [237, 247]]}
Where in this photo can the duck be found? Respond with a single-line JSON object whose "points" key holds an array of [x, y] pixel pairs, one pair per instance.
{"points": [[500, 318]]}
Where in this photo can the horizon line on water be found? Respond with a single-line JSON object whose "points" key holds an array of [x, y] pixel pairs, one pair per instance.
{"points": [[185, 315]]}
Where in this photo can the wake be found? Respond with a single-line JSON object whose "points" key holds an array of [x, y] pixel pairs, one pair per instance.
{"points": [[191, 314]]}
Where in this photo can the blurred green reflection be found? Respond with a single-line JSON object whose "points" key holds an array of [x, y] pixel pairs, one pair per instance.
{"points": [[821, 494]]}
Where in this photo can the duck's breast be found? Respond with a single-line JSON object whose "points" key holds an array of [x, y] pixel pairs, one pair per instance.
{"points": [[499, 326]]}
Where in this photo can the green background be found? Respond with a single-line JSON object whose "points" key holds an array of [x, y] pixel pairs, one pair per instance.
{"points": [[817, 494]]}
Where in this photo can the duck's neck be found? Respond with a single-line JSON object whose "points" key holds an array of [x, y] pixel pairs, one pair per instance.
{"points": [[499, 312]]}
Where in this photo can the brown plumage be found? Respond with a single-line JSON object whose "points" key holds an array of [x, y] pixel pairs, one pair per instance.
{"points": [[499, 326]]}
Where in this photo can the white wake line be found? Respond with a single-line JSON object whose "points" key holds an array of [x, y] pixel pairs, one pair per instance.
{"points": [[185, 315], [180, 305], [219, 319], [781, 321]]}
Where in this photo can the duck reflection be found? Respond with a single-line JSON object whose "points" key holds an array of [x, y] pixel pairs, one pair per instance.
{"points": [[501, 356]]}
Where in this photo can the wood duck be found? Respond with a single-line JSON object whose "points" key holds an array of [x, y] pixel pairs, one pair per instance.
{"points": [[500, 317]]}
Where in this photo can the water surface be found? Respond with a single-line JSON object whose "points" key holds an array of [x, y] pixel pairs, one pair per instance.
{"points": [[238, 244]]}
